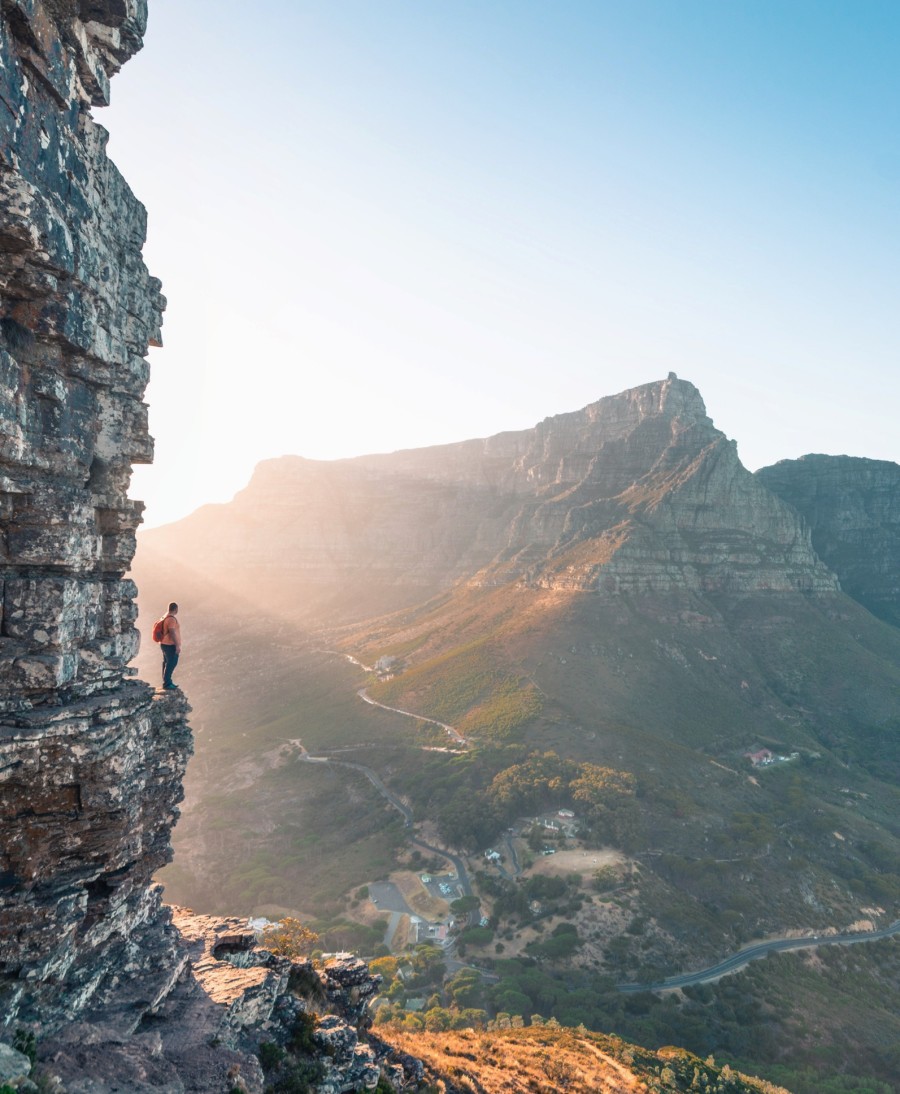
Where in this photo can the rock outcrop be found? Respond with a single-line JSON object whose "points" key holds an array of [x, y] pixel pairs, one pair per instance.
{"points": [[233, 996], [638, 493], [852, 506], [91, 761], [78, 312]]}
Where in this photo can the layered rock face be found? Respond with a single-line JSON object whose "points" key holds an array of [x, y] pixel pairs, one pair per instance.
{"points": [[853, 508], [90, 761], [77, 315], [637, 493]]}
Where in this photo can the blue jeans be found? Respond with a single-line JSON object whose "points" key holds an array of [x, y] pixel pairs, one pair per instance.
{"points": [[170, 660]]}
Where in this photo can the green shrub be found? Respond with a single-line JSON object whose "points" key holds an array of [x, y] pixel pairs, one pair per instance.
{"points": [[301, 1039], [25, 1042], [288, 938], [270, 1055]]}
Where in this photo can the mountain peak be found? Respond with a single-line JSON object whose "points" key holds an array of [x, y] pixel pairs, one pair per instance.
{"points": [[636, 493]]}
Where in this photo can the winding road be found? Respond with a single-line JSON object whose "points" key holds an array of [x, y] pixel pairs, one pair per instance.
{"points": [[760, 949], [400, 806], [713, 972], [449, 730]]}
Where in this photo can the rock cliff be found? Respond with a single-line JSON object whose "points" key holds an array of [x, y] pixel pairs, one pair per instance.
{"points": [[852, 506], [90, 760], [636, 493]]}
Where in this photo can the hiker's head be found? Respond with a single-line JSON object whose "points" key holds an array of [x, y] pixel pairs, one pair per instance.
{"points": [[173, 607]]}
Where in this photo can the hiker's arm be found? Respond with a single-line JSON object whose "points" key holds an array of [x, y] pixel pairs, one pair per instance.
{"points": [[177, 635]]}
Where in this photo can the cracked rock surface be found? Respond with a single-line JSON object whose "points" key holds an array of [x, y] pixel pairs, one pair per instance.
{"points": [[91, 760], [121, 996]]}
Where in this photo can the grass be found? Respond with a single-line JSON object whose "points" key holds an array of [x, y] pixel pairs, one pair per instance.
{"points": [[466, 687], [543, 1060], [308, 835], [418, 897]]}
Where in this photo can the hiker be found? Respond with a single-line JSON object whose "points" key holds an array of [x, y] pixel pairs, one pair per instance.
{"points": [[171, 645]]}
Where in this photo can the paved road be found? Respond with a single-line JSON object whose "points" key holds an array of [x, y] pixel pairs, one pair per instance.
{"points": [[454, 733], [514, 858], [404, 809], [393, 924], [751, 953], [363, 694], [511, 875], [455, 859], [371, 775]]}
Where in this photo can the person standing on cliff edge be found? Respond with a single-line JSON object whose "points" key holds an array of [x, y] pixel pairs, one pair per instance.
{"points": [[171, 646]]}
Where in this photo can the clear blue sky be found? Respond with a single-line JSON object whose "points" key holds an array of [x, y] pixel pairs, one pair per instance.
{"points": [[390, 224]]}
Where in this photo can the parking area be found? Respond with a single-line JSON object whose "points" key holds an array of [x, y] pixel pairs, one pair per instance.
{"points": [[387, 897], [443, 886]]}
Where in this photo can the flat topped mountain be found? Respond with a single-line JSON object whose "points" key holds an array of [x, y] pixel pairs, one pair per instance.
{"points": [[610, 592], [638, 492]]}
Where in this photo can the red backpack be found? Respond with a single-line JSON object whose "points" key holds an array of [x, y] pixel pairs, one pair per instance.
{"points": [[159, 628]]}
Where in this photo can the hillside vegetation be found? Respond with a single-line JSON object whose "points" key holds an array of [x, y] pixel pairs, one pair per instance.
{"points": [[616, 617], [544, 1060]]}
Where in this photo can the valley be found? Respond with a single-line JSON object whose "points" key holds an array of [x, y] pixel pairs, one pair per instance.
{"points": [[606, 616]]}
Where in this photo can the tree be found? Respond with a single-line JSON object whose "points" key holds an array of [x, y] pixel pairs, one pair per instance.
{"points": [[536, 837], [466, 989], [464, 904], [384, 966], [437, 1019], [288, 938]]}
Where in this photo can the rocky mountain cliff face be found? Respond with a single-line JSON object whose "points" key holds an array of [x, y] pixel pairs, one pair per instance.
{"points": [[637, 493], [612, 584], [852, 506], [90, 761]]}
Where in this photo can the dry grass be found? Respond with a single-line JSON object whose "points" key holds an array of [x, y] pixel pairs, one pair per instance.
{"points": [[418, 897], [529, 1061], [581, 862], [545, 1060], [404, 935]]}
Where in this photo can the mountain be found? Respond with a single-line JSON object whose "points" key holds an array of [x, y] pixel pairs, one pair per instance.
{"points": [[616, 615], [103, 987], [852, 506], [627, 533], [636, 494], [611, 584]]}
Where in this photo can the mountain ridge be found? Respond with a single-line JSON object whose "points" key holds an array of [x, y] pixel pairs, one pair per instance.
{"points": [[852, 506], [644, 474], [642, 605]]}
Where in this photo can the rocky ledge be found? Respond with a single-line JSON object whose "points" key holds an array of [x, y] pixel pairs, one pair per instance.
{"points": [[232, 1004], [91, 761]]}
